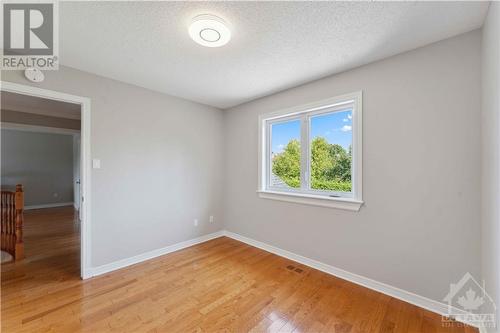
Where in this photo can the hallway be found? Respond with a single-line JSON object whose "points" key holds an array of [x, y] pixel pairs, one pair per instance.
{"points": [[52, 249]]}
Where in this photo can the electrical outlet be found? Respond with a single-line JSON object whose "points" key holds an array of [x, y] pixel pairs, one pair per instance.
{"points": [[196, 222], [211, 219]]}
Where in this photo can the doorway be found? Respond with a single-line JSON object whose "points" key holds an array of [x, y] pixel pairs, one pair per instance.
{"points": [[80, 144]]}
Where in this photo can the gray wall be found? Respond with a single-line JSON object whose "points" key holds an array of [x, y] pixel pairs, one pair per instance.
{"points": [[161, 164], [491, 154], [165, 161], [42, 162], [419, 229]]}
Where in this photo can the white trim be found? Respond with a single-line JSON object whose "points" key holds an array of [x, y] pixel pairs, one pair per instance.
{"points": [[50, 205], [350, 201], [357, 147], [305, 150], [314, 106], [38, 129], [314, 200], [406, 296], [85, 235], [152, 254]]}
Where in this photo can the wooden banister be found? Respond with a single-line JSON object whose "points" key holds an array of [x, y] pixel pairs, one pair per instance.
{"points": [[12, 219]]}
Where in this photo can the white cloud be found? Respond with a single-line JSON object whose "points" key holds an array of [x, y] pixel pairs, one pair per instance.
{"points": [[349, 116], [345, 120], [346, 128]]}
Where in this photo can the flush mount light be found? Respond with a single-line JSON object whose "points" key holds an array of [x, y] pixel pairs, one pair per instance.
{"points": [[209, 30]]}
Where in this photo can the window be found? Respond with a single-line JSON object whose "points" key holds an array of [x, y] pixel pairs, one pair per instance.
{"points": [[312, 154], [285, 154]]}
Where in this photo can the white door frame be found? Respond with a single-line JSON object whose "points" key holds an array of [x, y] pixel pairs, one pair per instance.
{"points": [[85, 161]]}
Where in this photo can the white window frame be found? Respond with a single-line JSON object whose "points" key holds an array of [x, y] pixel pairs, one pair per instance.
{"points": [[349, 201]]}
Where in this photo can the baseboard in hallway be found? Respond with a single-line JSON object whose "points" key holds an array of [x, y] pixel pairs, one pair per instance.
{"points": [[50, 205]]}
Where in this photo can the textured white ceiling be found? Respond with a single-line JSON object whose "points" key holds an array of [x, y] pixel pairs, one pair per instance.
{"points": [[274, 46]]}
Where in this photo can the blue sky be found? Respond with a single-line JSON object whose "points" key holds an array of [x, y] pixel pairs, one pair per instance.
{"points": [[334, 127]]}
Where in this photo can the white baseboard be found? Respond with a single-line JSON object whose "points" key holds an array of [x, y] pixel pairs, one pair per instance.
{"points": [[406, 296], [94, 271], [51, 205]]}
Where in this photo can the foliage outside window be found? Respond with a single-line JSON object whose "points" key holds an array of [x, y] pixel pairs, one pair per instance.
{"points": [[312, 151]]}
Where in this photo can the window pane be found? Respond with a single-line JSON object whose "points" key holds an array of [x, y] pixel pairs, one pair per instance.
{"points": [[331, 151], [285, 154]]}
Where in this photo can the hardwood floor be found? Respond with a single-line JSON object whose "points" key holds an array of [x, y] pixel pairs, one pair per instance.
{"points": [[220, 285]]}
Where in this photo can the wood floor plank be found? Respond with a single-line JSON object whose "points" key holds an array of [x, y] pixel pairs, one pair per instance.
{"points": [[218, 286]]}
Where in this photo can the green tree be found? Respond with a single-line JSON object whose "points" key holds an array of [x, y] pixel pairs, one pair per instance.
{"points": [[286, 165], [341, 169], [330, 165], [321, 161]]}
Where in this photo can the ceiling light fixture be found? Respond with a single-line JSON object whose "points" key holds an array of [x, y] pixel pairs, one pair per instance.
{"points": [[209, 30]]}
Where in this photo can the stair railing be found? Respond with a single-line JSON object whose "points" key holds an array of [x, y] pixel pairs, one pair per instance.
{"points": [[12, 219]]}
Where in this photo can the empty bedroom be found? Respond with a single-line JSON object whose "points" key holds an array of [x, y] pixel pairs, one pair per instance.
{"points": [[250, 166]]}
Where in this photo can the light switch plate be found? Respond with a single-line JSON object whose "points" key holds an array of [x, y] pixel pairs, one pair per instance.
{"points": [[96, 163]]}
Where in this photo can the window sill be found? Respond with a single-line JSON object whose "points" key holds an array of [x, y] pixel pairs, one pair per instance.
{"points": [[314, 200]]}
